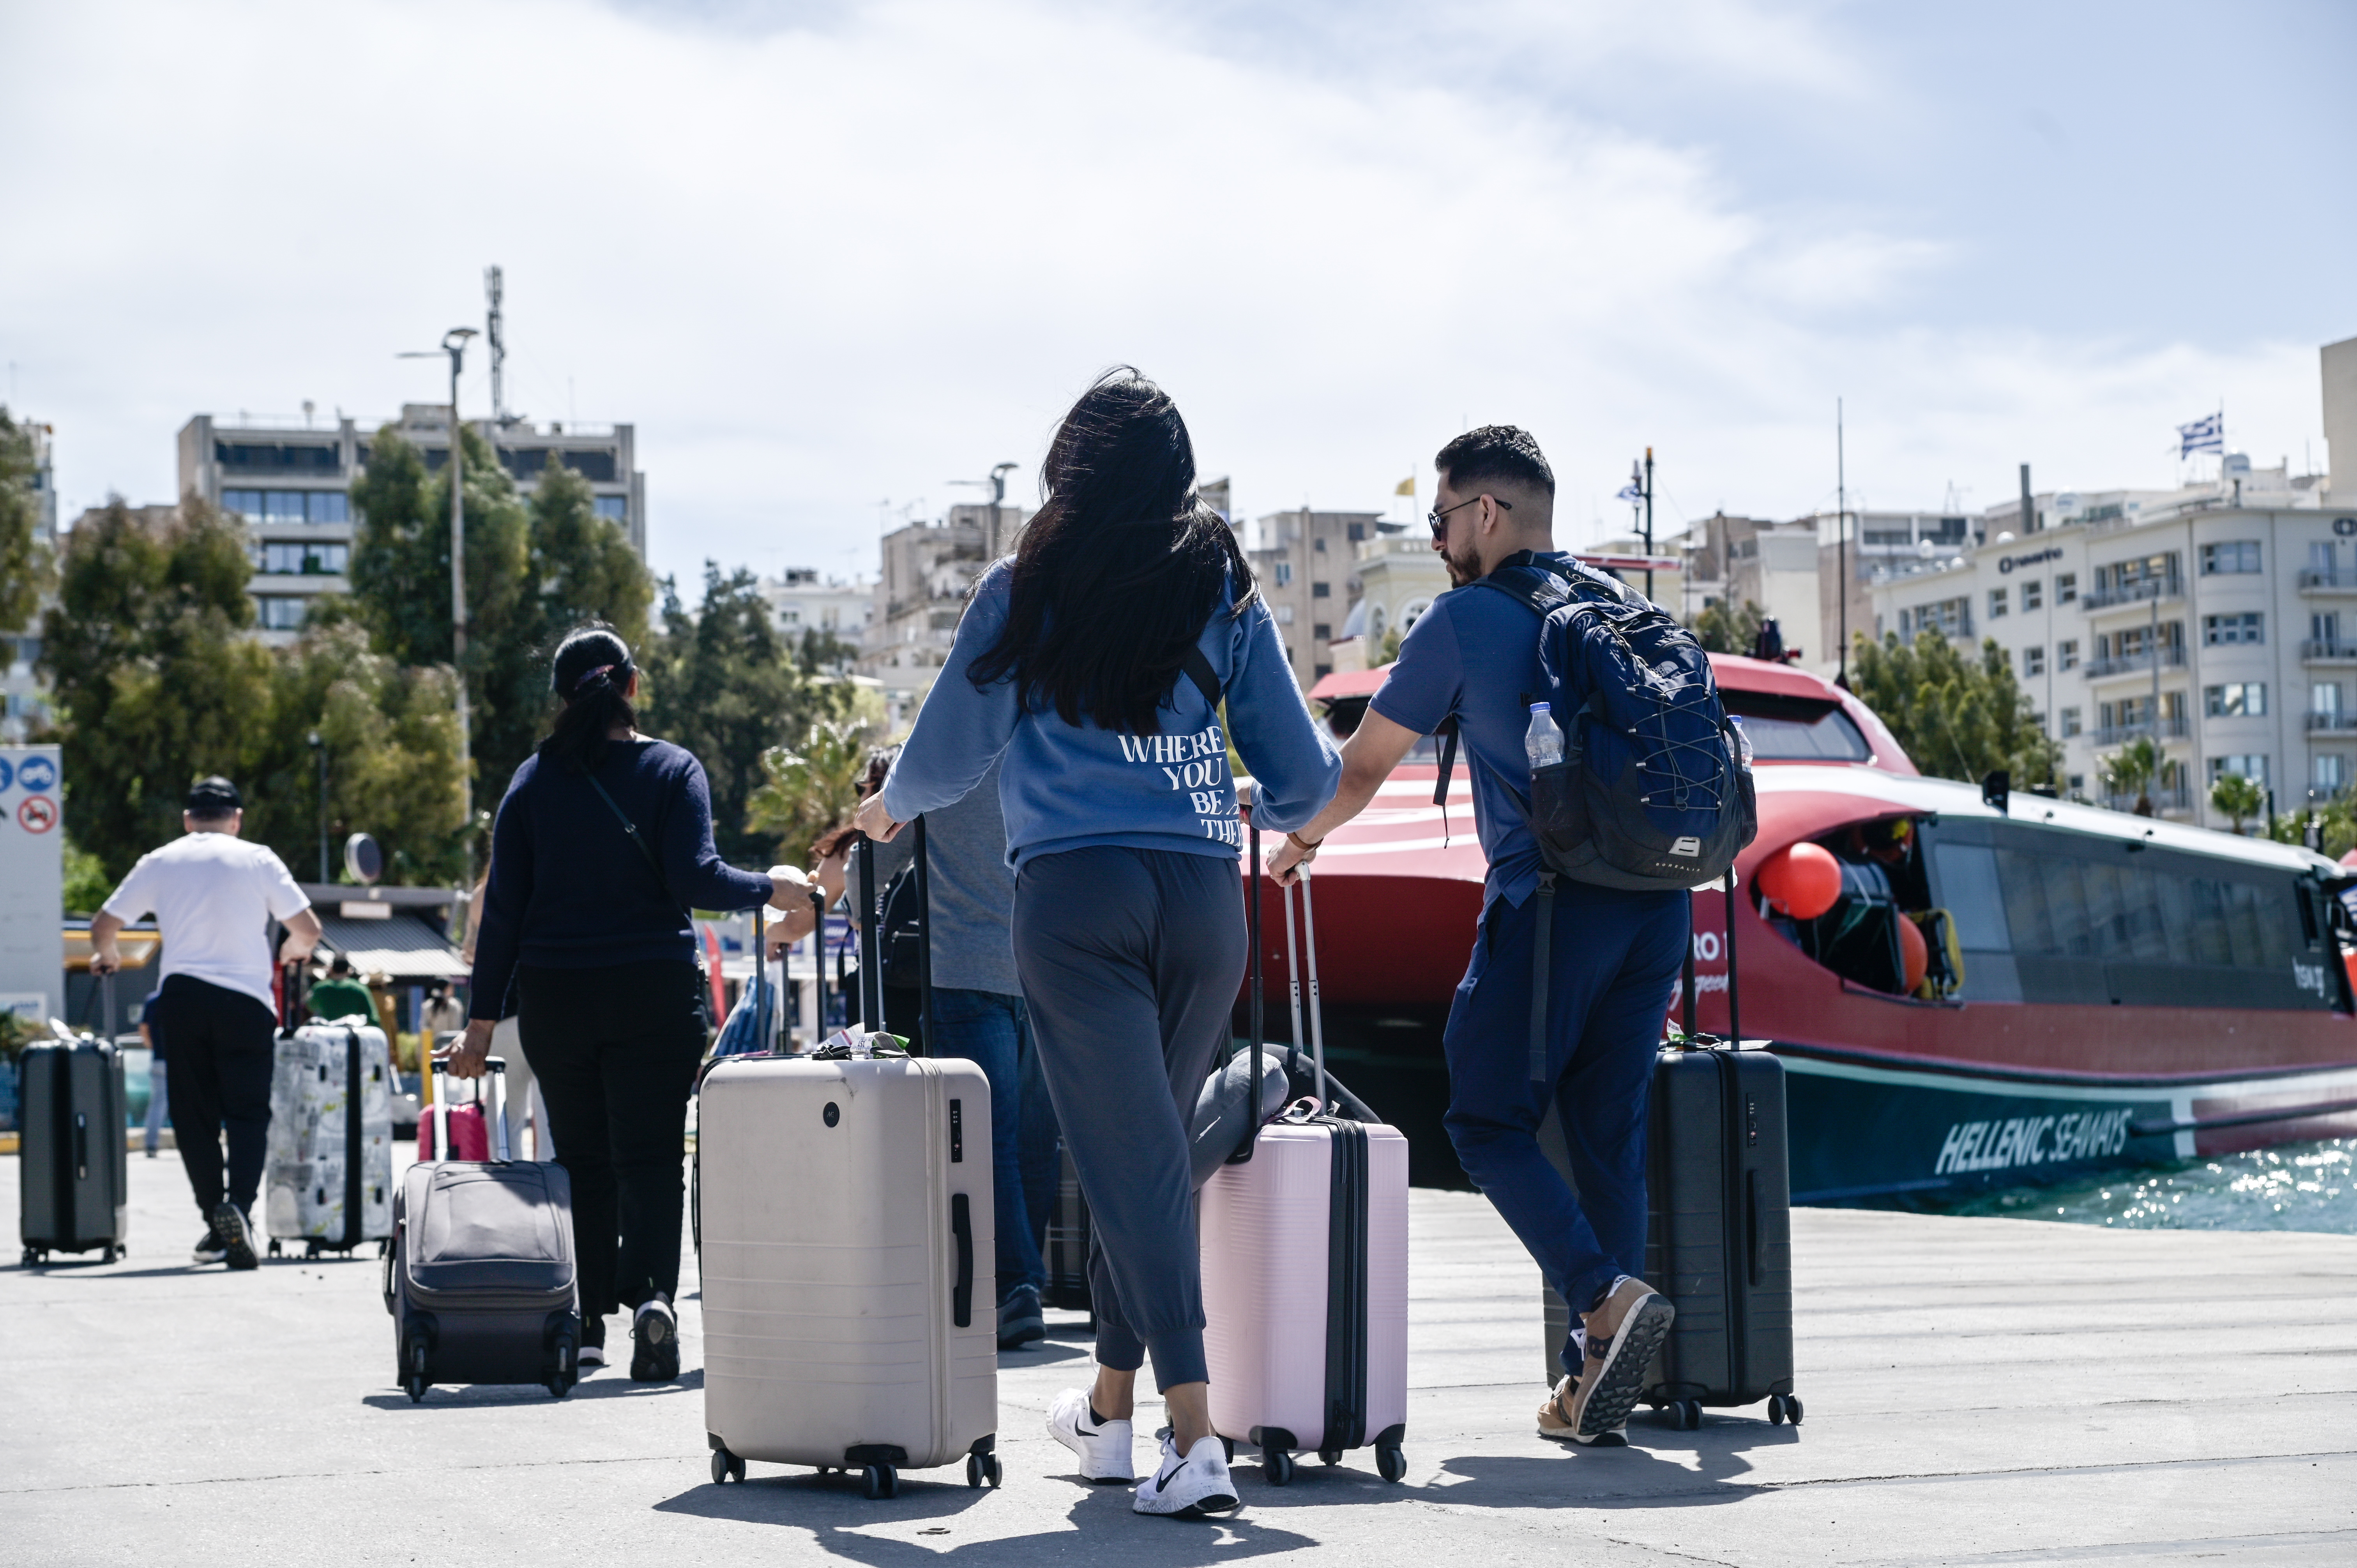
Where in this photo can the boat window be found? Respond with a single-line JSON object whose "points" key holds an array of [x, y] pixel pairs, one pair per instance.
{"points": [[2067, 905], [1796, 729], [1970, 892]]}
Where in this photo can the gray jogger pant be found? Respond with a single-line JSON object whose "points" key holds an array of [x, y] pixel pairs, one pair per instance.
{"points": [[1130, 961]]}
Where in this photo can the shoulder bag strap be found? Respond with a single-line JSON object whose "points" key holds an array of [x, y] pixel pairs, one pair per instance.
{"points": [[1199, 670], [631, 828]]}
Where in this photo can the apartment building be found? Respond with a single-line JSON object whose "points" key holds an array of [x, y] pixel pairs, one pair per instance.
{"points": [[802, 601], [2210, 618], [24, 697], [1307, 563], [292, 484], [928, 570]]}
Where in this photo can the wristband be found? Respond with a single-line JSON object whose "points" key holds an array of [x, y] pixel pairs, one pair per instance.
{"points": [[1303, 844]]}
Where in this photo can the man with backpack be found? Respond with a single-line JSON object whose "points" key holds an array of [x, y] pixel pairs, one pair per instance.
{"points": [[1486, 655]]}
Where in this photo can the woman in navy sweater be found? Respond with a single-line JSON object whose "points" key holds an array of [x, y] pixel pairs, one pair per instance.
{"points": [[1095, 660], [602, 845]]}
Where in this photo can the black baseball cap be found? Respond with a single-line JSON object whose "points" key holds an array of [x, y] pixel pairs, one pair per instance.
{"points": [[213, 797]]}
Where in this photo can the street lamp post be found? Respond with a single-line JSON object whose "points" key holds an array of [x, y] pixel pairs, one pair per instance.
{"points": [[319, 750], [453, 344]]}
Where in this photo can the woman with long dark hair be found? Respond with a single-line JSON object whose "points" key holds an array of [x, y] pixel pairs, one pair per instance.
{"points": [[601, 846], [1096, 659]]}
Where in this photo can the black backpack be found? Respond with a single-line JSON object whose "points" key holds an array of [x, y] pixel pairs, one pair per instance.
{"points": [[1652, 793]]}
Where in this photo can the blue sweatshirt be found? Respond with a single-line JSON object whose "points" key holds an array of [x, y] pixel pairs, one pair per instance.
{"points": [[568, 891], [1073, 786]]}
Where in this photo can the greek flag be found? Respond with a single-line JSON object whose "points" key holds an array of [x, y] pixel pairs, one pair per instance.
{"points": [[2204, 435], [1631, 493]]}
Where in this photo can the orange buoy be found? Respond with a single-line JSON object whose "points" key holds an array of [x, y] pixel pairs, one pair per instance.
{"points": [[1803, 880], [1913, 953]]}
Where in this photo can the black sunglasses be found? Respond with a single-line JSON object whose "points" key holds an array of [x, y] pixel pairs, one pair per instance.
{"points": [[1438, 521]]}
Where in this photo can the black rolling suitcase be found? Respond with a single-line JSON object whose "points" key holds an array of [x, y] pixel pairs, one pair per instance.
{"points": [[1068, 1243], [1719, 1223], [74, 1178]]}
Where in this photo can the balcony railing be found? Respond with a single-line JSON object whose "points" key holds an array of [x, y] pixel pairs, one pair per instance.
{"points": [[2328, 650], [2175, 728], [2328, 580], [2177, 797], [2133, 594], [2337, 722], [2130, 663]]}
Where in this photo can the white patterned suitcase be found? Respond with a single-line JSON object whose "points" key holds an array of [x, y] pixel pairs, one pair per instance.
{"points": [[328, 1181], [1304, 1273]]}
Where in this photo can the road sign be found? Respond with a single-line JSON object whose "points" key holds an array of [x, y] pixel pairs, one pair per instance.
{"points": [[32, 881]]}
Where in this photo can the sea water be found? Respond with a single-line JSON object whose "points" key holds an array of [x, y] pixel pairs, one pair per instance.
{"points": [[2295, 1186]]}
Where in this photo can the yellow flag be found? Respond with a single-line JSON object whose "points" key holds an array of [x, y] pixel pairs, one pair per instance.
{"points": [[1406, 487]]}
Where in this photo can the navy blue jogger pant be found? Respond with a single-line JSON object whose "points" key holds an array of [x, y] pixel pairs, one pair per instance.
{"points": [[1617, 957]]}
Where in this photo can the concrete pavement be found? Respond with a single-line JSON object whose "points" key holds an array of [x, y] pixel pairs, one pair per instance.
{"points": [[1977, 1390]]}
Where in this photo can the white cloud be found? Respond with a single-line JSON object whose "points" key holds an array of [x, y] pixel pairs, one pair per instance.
{"points": [[825, 264]]}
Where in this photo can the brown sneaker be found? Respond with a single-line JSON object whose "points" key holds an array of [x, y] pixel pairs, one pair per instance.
{"points": [[1555, 1419], [1624, 1332]]}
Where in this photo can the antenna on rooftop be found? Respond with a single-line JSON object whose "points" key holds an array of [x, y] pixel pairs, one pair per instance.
{"points": [[493, 289]]}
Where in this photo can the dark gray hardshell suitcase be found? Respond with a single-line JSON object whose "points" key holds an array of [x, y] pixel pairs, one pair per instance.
{"points": [[74, 1175], [1718, 1237], [480, 1279]]}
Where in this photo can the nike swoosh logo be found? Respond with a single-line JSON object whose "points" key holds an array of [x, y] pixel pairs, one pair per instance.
{"points": [[1163, 1479]]}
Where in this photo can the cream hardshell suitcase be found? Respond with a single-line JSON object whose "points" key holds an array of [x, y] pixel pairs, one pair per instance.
{"points": [[850, 1304], [1304, 1269]]}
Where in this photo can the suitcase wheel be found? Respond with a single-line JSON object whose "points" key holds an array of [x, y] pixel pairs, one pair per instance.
{"points": [[984, 1470], [273, 1249], [882, 1481], [1278, 1466], [1229, 1444], [726, 1468], [1330, 1455], [30, 1256], [1685, 1415], [1390, 1461], [416, 1383], [1791, 1409]]}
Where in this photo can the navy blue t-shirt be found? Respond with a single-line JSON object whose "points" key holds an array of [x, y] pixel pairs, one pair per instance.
{"points": [[1474, 654]]}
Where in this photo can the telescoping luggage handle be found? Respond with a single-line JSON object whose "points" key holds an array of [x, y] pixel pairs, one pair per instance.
{"points": [[496, 1123], [871, 946], [1686, 978]]}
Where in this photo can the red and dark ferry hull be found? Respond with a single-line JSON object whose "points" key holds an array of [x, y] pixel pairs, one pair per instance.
{"points": [[1891, 1100]]}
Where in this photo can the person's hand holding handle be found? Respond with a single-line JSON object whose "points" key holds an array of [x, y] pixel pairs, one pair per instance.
{"points": [[874, 821], [465, 1058]]}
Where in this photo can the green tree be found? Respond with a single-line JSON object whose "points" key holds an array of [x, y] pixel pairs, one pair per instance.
{"points": [[2237, 799], [86, 881], [1722, 630], [156, 682], [533, 573], [720, 682], [25, 567], [2131, 770], [400, 585], [810, 787], [1956, 718], [583, 567], [391, 734]]}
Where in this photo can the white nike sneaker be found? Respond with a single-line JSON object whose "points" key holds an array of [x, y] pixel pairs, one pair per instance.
{"points": [[1189, 1487], [1104, 1451]]}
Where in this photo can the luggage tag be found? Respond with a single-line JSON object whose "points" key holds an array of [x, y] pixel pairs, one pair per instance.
{"points": [[855, 1045]]}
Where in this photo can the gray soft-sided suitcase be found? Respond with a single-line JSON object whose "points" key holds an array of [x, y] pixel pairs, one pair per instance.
{"points": [[1718, 1234], [481, 1278], [74, 1174]]}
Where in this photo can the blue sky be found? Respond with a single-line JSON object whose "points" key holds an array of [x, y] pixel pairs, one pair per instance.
{"points": [[828, 257]]}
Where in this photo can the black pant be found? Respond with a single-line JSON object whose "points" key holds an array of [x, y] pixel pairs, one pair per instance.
{"points": [[219, 1042], [615, 1050]]}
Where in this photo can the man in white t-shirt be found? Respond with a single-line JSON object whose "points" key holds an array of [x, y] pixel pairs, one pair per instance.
{"points": [[213, 898]]}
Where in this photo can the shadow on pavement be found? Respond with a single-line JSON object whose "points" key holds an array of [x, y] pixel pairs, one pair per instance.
{"points": [[1653, 1471], [843, 1522], [483, 1396]]}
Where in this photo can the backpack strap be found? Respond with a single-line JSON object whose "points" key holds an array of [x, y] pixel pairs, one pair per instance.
{"points": [[1542, 957], [1199, 670]]}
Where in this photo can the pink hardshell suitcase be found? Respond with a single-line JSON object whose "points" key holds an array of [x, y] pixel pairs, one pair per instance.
{"points": [[1305, 1264]]}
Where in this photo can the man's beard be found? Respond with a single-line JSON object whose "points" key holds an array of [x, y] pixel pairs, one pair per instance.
{"points": [[1462, 569]]}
